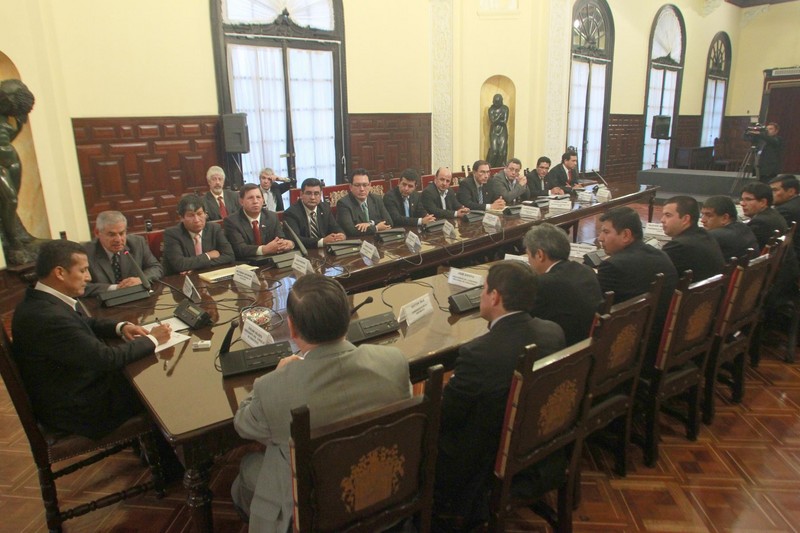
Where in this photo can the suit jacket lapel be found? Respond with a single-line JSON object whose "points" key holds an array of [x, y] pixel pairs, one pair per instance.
{"points": [[102, 262]]}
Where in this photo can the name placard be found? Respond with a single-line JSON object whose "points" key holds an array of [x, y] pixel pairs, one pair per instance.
{"points": [[368, 251], [462, 278], [449, 230], [491, 220], [562, 205], [301, 266], [655, 229], [254, 336], [585, 197], [530, 212], [513, 257], [603, 194], [188, 288], [416, 309], [245, 277], [413, 243], [577, 249]]}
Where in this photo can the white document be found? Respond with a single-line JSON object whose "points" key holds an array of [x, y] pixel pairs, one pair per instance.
{"points": [[175, 338], [512, 257]]}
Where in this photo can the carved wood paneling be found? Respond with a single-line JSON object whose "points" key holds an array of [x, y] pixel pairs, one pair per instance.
{"points": [[386, 143], [734, 145], [624, 149], [687, 131], [142, 166]]}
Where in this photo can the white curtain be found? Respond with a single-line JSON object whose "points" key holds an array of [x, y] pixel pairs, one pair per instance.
{"points": [[660, 101], [713, 111], [579, 115]]}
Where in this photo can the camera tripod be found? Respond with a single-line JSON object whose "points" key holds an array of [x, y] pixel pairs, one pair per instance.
{"points": [[744, 172]]}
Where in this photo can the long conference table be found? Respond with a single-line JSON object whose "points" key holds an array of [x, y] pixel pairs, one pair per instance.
{"points": [[193, 405]]}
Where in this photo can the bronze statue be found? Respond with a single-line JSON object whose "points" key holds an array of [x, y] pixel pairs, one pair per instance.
{"points": [[498, 132], [16, 102]]}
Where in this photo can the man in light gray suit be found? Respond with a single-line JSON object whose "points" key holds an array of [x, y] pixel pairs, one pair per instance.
{"points": [[333, 377], [113, 253]]}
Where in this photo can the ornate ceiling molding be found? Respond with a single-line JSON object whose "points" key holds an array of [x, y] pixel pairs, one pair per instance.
{"points": [[709, 6], [749, 14]]}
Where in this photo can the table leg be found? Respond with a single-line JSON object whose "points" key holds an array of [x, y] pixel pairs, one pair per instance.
{"points": [[195, 480]]}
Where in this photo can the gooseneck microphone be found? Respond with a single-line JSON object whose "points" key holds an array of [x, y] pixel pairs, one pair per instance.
{"points": [[226, 342], [145, 281], [596, 173], [369, 300]]}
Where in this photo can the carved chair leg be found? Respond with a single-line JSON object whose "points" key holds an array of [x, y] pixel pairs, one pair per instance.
{"points": [[692, 422], [153, 456], [652, 432], [708, 394], [621, 454], [737, 376], [47, 485]]}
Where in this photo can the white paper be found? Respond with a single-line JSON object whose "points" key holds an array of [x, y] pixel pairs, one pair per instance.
{"points": [[254, 335], [245, 277], [462, 278], [369, 251], [413, 243], [416, 309], [512, 257], [174, 338], [301, 266]]}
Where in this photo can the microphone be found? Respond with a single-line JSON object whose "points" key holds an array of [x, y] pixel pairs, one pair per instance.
{"points": [[145, 281], [226, 342], [300, 246], [596, 173], [369, 300]]}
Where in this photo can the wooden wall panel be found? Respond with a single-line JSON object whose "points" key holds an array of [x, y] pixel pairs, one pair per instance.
{"points": [[686, 133], [142, 166], [385, 143], [624, 150], [734, 145]]}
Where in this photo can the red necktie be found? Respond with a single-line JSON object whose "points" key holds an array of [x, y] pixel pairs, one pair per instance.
{"points": [[256, 232], [223, 211]]}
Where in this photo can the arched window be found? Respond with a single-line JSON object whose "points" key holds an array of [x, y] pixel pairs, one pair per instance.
{"points": [[718, 71], [590, 80], [667, 52], [282, 63]]}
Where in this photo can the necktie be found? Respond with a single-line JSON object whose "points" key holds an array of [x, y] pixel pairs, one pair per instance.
{"points": [[444, 203], [405, 204], [480, 194], [198, 246], [256, 233], [116, 267], [312, 226], [364, 212], [223, 211]]}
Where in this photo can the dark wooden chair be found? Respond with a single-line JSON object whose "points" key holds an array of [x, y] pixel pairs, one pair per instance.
{"points": [[368, 472], [680, 362], [155, 241], [738, 320], [546, 409], [49, 448], [620, 340]]}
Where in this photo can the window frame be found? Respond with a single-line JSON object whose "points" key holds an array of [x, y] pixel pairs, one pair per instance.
{"points": [[717, 75]]}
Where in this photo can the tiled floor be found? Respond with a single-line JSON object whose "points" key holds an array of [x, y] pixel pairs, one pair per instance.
{"points": [[741, 475]]}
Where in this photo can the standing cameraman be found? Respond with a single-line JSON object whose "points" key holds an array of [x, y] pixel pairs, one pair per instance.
{"points": [[770, 152]]}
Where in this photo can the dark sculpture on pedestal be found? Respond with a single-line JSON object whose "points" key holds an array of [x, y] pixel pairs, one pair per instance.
{"points": [[498, 132], [16, 101]]}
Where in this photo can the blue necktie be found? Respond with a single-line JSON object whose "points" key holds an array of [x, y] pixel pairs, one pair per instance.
{"points": [[405, 204], [480, 194]]}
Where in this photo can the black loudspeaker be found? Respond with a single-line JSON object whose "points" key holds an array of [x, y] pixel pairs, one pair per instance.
{"points": [[235, 137], [660, 129]]}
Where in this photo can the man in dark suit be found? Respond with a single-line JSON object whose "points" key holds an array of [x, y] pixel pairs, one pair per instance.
{"points": [[568, 293], [633, 265], [538, 184], [193, 244], [311, 218], [253, 232], [719, 217], [113, 253], [361, 212], [510, 184], [439, 200], [74, 379], [757, 206], [770, 151], [691, 247], [474, 191], [272, 191], [785, 189], [474, 400], [218, 202], [563, 178], [403, 202]]}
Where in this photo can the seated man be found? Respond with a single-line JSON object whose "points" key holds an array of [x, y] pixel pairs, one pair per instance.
{"points": [[311, 218], [273, 192], [633, 265], [114, 256], [332, 377], [361, 212], [538, 185], [785, 189], [474, 400], [74, 379], [253, 232], [691, 247], [568, 293], [475, 193], [219, 202], [403, 203], [720, 219], [439, 200], [562, 178], [193, 244], [757, 206], [510, 184]]}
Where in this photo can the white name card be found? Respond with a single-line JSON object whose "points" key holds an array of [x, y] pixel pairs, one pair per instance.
{"points": [[578, 249], [449, 230], [563, 205], [603, 194], [369, 251], [740, 212], [413, 243], [188, 288], [462, 278], [513, 257], [245, 277], [585, 197], [253, 335], [491, 220], [416, 309], [655, 229], [530, 212], [301, 266]]}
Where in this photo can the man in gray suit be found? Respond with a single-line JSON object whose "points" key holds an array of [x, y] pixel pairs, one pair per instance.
{"points": [[219, 203], [113, 253], [332, 377]]}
